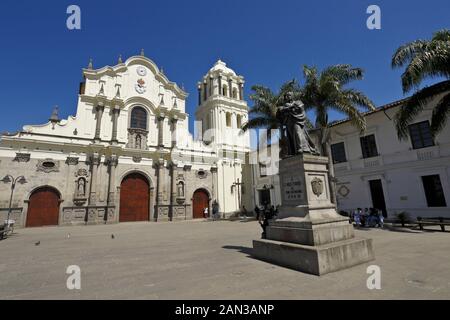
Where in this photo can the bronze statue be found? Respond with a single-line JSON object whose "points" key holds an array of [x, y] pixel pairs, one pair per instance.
{"points": [[292, 118]]}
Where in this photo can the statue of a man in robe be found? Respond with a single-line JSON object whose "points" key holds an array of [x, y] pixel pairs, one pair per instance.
{"points": [[292, 118]]}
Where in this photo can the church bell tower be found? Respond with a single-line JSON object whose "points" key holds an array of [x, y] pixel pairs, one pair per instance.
{"points": [[221, 112]]}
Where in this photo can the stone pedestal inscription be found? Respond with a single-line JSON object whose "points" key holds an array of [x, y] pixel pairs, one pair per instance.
{"points": [[293, 188]]}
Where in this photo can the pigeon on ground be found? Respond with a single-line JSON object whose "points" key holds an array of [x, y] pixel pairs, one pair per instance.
{"points": [[68, 236], [37, 243], [112, 236]]}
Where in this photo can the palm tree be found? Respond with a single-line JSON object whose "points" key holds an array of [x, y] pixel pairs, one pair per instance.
{"points": [[424, 59], [326, 91], [265, 106]]}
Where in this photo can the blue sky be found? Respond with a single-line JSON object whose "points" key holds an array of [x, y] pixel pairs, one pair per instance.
{"points": [[265, 41]]}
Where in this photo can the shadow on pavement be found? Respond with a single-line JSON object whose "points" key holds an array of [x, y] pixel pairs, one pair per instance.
{"points": [[245, 250]]}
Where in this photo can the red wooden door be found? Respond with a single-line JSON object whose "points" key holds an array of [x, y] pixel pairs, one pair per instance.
{"points": [[43, 208], [134, 198], [200, 202]]}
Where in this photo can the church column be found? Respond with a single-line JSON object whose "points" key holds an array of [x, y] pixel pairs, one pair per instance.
{"points": [[214, 124], [159, 166], [95, 162], [205, 91], [173, 195], [214, 183], [222, 125], [174, 121], [112, 164], [115, 117], [112, 213], [99, 114], [241, 91], [161, 118]]}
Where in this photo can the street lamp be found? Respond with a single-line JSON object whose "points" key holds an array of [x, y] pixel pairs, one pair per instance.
{"points": [[7, 179]]}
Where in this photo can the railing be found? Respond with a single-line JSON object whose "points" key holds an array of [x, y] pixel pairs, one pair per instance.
{"points": [[406, 156]]}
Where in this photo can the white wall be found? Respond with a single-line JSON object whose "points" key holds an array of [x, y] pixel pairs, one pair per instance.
{"points": [[398, 166]]}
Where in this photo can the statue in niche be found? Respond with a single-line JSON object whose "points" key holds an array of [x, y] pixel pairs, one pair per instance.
{"points": [[138, 141], [81, 187], [180, 191], [292, 118]]}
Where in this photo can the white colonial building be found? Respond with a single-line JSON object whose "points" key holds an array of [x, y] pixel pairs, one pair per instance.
{"points": [[128, 155], [376, 169]]}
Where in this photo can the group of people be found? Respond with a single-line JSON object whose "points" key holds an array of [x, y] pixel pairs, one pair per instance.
{"points": [[369, 217], [215, 211]]}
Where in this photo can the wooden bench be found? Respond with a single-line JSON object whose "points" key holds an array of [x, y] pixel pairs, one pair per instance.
{"points": [[439, 221], [397, 222]]}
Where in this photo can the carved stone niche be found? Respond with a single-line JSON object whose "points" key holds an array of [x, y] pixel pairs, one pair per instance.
{"points": [[180, 187], [47, 165], [137, 139], [81, 183]]}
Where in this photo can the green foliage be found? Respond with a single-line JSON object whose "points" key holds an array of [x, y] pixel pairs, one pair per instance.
{"points": [[403, 217], [322, 92], [424, 59], [265, 103], [327, 90]]}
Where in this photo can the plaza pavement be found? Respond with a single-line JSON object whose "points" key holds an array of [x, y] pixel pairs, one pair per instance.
{"points": [[207, 260]]}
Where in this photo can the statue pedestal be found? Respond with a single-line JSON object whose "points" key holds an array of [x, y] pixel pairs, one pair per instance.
{"points": [[309, 235]]}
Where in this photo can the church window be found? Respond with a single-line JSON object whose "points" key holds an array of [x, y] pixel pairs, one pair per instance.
{"points": [[224, 90], [234, 93], [228, 119], [138, 118], [239, 121], [48, 164]]}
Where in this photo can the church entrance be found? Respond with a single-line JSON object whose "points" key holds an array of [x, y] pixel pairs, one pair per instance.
{"points": [[134, 198], [43, 208], [200, 201]]}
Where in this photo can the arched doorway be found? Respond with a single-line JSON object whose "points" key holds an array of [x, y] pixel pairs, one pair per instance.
{"points": [[200, 201], [134, 198], [43, 208]]}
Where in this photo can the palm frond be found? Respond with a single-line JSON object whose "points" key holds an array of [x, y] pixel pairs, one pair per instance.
{"points": [[433, 63], [441, 35], [343, 73], [359, 98], [440, 115], [407, 52], [258, 122], [355, 117], [415, 104]]}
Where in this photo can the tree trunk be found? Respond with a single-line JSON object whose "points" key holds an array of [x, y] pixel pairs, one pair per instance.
{"points": [[331, 178]]}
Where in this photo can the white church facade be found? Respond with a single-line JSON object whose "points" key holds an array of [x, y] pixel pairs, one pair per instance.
{"points": [[128, 154]]}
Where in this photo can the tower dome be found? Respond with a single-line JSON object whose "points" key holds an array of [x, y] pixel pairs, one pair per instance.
{"points": [[221, 67]]}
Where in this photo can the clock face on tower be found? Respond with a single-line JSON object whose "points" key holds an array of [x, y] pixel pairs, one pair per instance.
{"points": [[141, 71]]}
